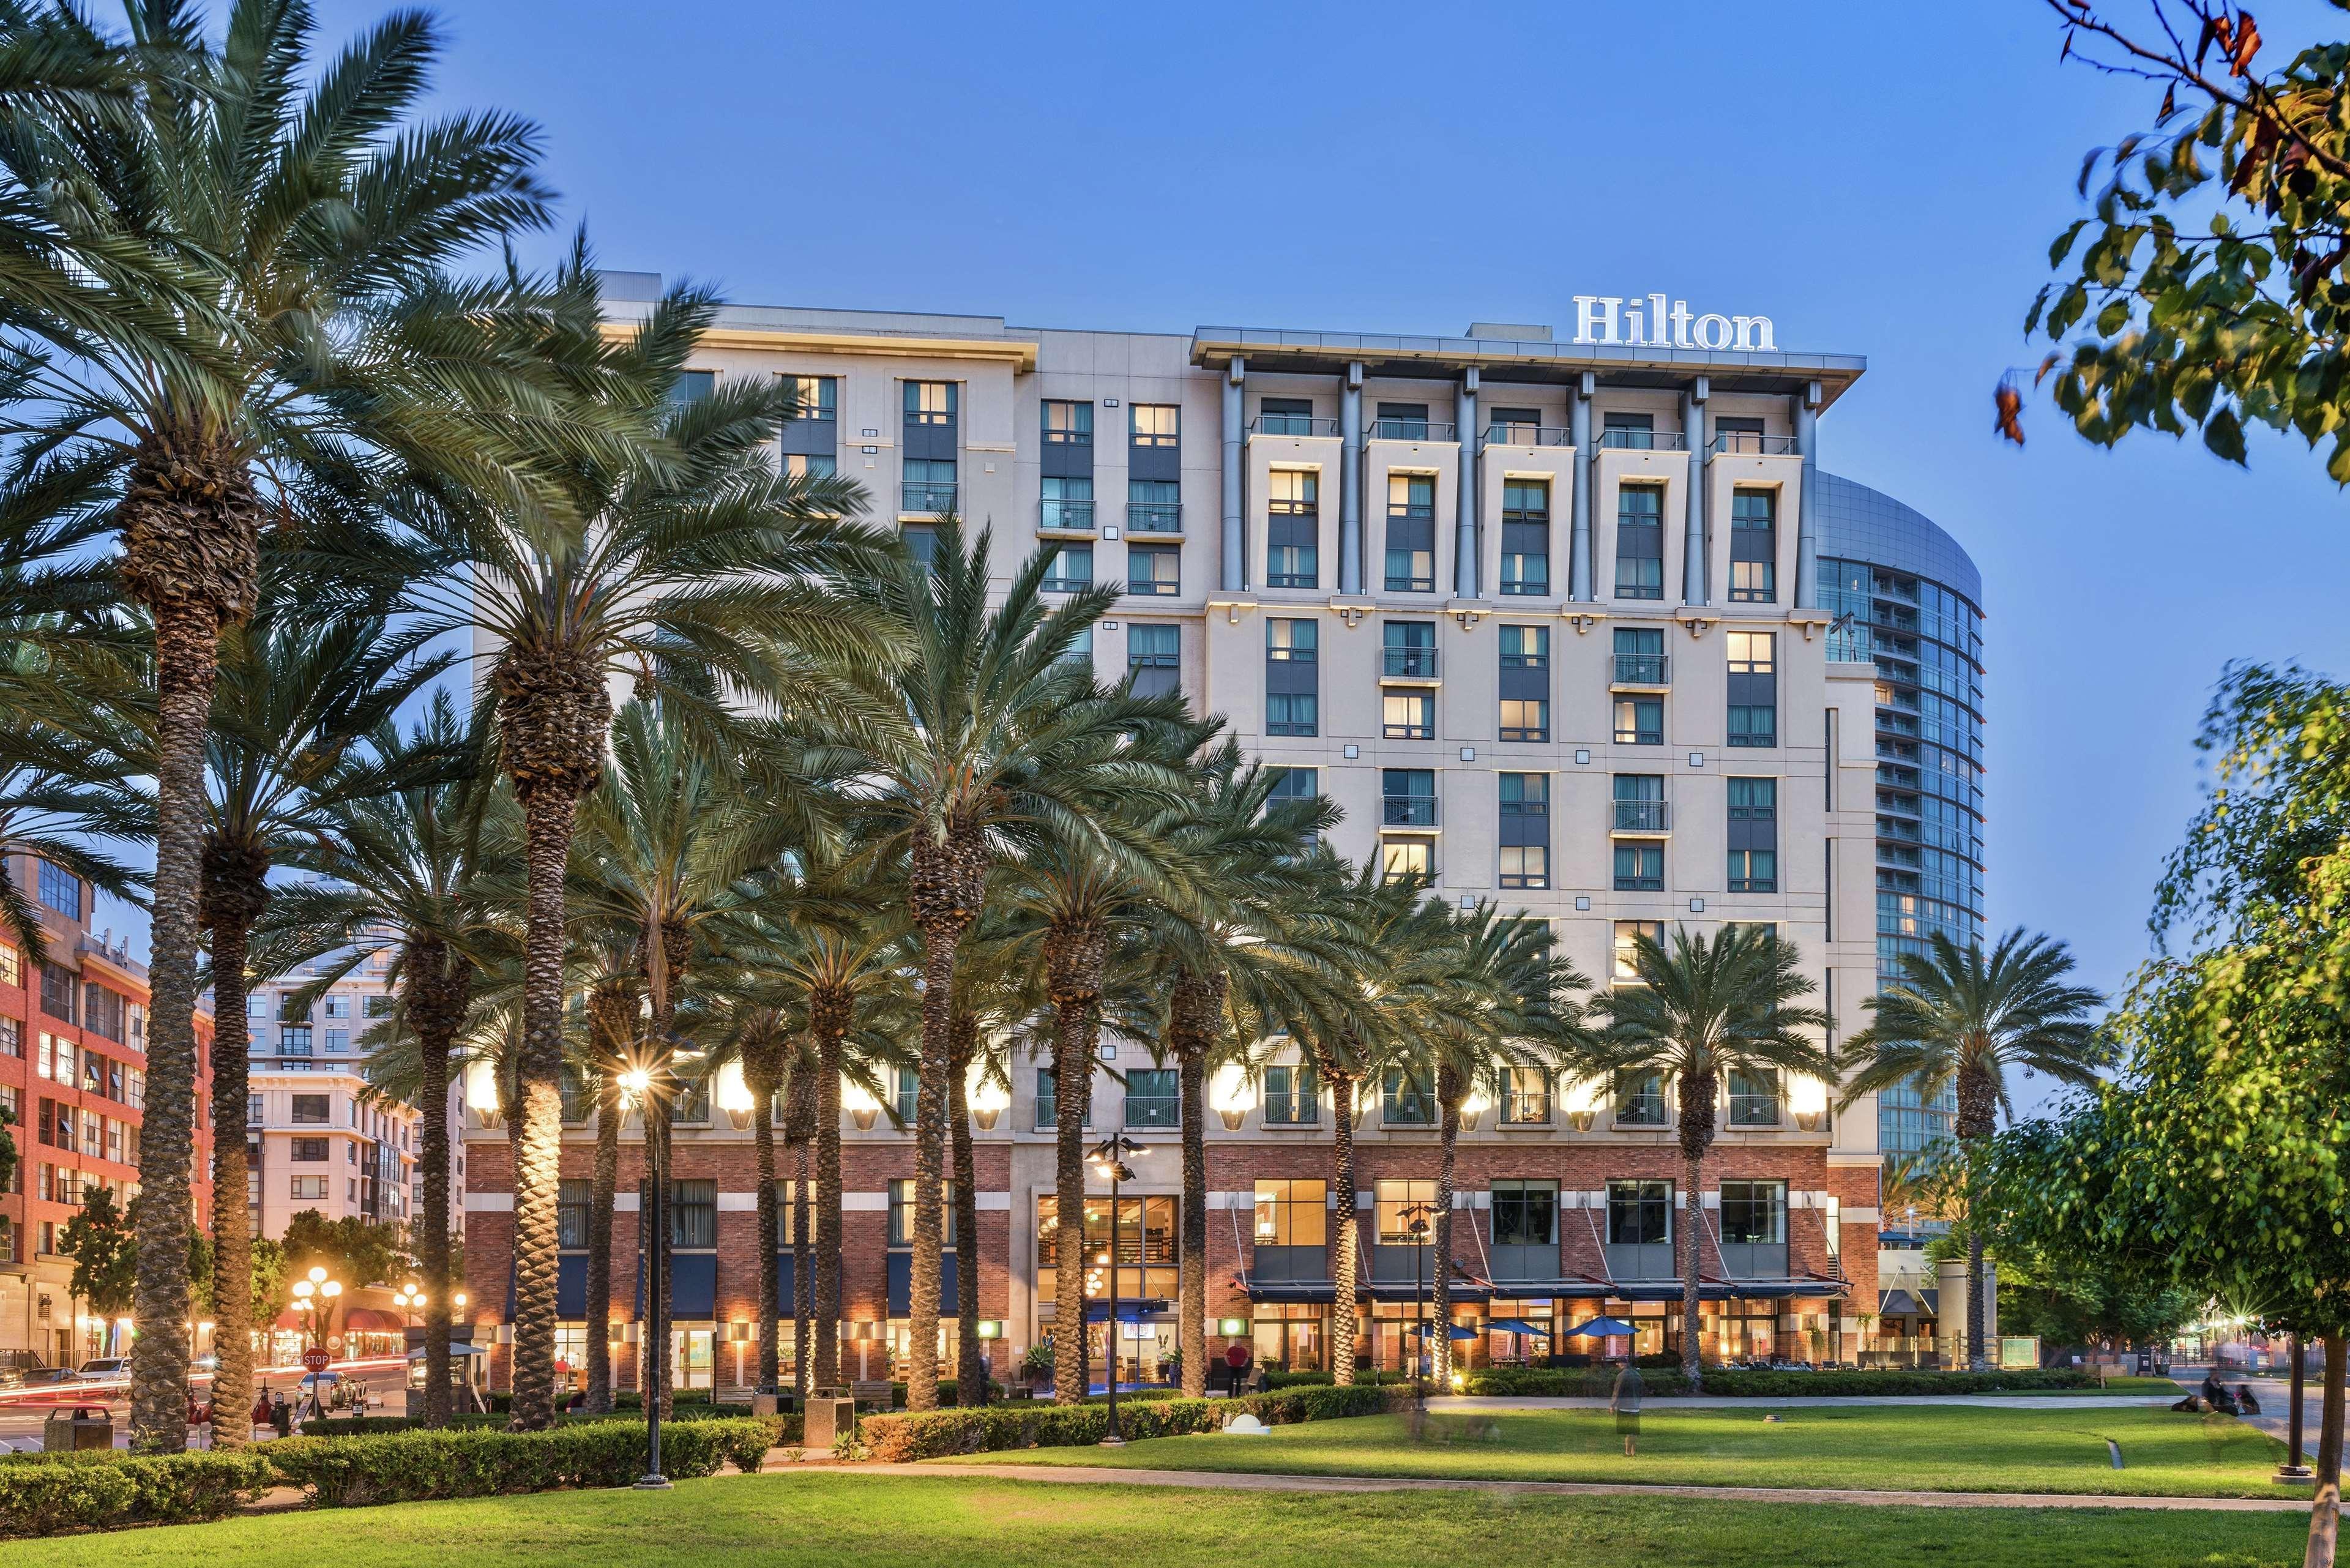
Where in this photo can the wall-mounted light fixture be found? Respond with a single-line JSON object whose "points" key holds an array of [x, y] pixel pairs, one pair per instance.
{"points": [[859, 1102], [1232, 1095]]}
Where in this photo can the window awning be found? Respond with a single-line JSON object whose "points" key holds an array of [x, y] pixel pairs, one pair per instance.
{"points": [[901, 1283], [1741, 1290], [1898, 1302], [372, 1320]]}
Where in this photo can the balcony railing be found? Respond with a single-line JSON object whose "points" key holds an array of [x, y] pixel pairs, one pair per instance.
{"points": [[1526, 435], [1069, 517], [1413, 430], [1643, 815], [1641, 1110], [1526, 1109], [1754, 1110], [1644, 669], [1154, 516], [926, 497], [1153, 1111], [1408, 811], [1410, 663], [1643, 440], [1292, 425], [1754, 445]]}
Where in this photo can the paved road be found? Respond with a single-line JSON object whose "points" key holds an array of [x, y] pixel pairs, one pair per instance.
{"points": [[1468, 1402], [20, 1425]]}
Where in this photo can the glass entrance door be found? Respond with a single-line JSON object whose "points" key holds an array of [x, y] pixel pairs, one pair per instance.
{"points": [[690, 1357]]}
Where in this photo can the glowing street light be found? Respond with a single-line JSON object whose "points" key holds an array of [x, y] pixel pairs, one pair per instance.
{"points": [[1232, 1095]]}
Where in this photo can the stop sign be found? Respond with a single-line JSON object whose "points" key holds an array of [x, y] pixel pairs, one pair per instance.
{"points": [[316, 1358]]}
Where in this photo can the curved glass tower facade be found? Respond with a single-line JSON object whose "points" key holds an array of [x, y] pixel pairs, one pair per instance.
{"points": [[1915, 603]]}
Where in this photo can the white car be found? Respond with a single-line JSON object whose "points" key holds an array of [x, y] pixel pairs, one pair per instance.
{"points": [[105, 1369]]}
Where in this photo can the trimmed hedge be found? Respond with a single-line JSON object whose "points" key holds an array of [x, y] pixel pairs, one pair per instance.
{"points": [[409, 1466], [1323, 1380], [1553, 1383], [48, 1494], [937, 1433], [1797, 1385]]}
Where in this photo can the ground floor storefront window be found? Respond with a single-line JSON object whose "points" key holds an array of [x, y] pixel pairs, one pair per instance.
{"points": [[1509, 1343], [898, 1336], [1291, 1337]]}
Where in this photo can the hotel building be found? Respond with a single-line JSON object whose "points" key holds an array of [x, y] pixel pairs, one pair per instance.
{"points": [[1580, 627]]}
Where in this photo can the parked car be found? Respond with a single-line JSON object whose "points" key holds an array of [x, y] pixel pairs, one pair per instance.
{"points": [[48, 1376], [103, 1369]]}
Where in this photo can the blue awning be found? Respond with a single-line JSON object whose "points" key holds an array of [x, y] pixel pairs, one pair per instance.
{"points": [[571, 1285], [901, 1283], [1602, 1328], [1458, 1332], [787, 1287], [693, 1286]]}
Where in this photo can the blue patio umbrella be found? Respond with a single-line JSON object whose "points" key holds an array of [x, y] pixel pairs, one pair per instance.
{"points": [[1456, 1332], [1602, 1328], [1518, 1325]]}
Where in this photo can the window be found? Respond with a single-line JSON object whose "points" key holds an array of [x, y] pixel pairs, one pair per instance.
{"points": [[690, 387], [1292, 1097], [312, 1188], [693, 1214], [1155, 570], [1068, 424], [1753, 546], [1639, 868], [1753, 1212], [1525, 1096], [1154, 424], [1409, 650], [1641, 655], [907, 1094], [1526, 647], [337, 1040], [1153, 659], [253, 1110], [1639, 1213], [1291, 713], [104, 1011], [1153, 1098], [294, 1040], [930, 484], [337, 1006], [1753, 1097], [931, 402], [1637, 432], [1072, 570], [1407, 714], [309, 1150], [1048, 1104], [11, 1038], [1397, 1205], [1407, 798], [815, 396], [1525, 535], [376, 1006], [1639, 800], [1640, 542], [57, 992], [61, 890], [1406, 1098], [901, 1212], [1400, 422], [1737, 433], [1292, 1213], [1753, 689], [1524, 719], [1291, 641], [12, 966], [1293, 529], [1285, 416], [1066, 505], [1753, 836], [1626, 947], [1526, 1212], [1412, 534], [1154, 506], [1406, 857], [309, 1110], [1525, 830], [1639, 721], [1513, 427], [811, 465]]}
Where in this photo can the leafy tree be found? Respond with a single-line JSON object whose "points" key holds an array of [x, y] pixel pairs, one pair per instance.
{"points": [[356, 1251], [1701, 1009], [100, 1240], [2209, 289], [1958, 1017]]}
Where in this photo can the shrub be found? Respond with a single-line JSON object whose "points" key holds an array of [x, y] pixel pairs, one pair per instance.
{"points": [[43, 1494], [1555, 1382], [1788, 1385], [406, 1467], [1323, 1379], [937, 1433]]}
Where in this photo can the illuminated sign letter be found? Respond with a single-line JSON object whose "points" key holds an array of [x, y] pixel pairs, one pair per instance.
{"points": [[1595, 317]]}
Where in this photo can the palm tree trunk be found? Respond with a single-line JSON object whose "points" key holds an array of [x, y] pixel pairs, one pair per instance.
{"points": [[2325, 1514], [664, 1237], [602, 1193], [1345, 1279], [1192, 1329], [940, 940], [187, 641], [1976, 1119], [828, 1020], [1697, 1125], [1447, 1112], [1072, 966], [970, 1370], [235, 894], [803, 1254], [439, 985], [549, 811], [771, 1240]]}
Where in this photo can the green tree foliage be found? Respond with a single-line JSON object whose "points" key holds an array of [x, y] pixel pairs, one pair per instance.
{"points": [[2209, 289], [355, 1250], [98, 1239]]}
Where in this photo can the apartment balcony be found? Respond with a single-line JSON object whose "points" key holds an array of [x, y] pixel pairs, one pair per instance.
{"points": [[1527, 435], [1292, 425], [1154, 517], [1643, 817], [1154, 1112], [1643, 440], [1407, 664], [1645, 671], [1746, 443], [1408, 811], [1411, 430], [1065, 518], [926, 499]]}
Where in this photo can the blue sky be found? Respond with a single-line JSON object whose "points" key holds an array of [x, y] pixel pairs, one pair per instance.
{"points": [[1880, 180]]}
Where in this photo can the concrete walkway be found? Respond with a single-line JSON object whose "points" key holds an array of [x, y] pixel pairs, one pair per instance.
{"points": [[1463, 1403], [1220, 1481]]}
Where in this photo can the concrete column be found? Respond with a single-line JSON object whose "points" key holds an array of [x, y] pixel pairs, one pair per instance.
{"points": [[1350, 481], [1464, 522], [1693, 399], [1233, 568], [1578, 433], [1807, 506]]}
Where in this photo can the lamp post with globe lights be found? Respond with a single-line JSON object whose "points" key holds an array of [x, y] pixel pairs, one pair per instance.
{"points": [[314, 1301], [1110, 1164]]}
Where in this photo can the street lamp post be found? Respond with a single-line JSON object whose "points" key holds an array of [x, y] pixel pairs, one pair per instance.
{"points": [[314, 1298], [644, 1085], [1418, 1229], [1109, 1160]]}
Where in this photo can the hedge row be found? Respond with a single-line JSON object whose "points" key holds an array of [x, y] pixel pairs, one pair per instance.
{"points": [[409, 1466], [1566, 1382], [938, 1434], [785, 1427], [45, 1494], [1796, 1385]]}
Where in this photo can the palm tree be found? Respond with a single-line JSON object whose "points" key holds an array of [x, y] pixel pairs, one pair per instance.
{"points": [[1956, 1017], [678, 557], [1701, 1009], [990, 736], [262, 228], [400, 881]]}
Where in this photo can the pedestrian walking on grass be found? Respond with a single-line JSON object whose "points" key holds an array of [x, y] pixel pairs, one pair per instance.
{"points": [[1236, 1366], [1625, 1402]]}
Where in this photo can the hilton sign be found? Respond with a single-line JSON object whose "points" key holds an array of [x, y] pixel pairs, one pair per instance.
{"points": [[1651, 321]]}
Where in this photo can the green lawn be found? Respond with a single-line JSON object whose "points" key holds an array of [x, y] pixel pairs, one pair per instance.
{"points": [[886, 1522], [2049, 1448]]}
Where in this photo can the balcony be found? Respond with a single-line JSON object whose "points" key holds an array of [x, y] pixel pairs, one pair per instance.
{"points": [[1292, 425], [1409, 663], [1411, 430], [1526, 435], [1643, 669], [1063, 516], [925, 499], [1642, 440], [1748, 443], [1408, 811], [1153, 1112], [1643, 816], [1154, 517], [1754, 1110]]}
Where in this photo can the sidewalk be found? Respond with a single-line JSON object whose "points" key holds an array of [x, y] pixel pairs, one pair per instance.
{"points": [[1497, 1405]]}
